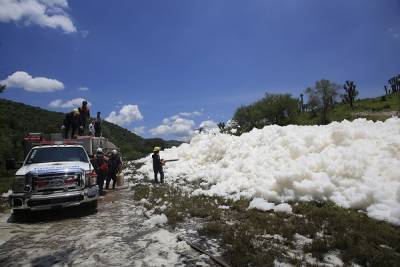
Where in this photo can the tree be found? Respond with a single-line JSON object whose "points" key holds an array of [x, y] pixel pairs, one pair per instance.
{"points": [[301, 102], [2, 88], [350, 93], [313, 103], [221, 126], [280, 109], [243, 118], [322, 97], [395, 84]]}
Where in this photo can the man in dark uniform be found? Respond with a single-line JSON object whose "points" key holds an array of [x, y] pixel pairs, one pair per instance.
{"points": [[71, 121], [157, 165], [97, 125], [67, 123], [100, 165], [84, 113], [114, 165]]}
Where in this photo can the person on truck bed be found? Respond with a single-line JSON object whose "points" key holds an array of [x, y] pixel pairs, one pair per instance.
{"points": [[100, 165], [91, 128], [114, 165], [97, 125], [71, 121], [157, 165], [84, 113], [67, 123]]}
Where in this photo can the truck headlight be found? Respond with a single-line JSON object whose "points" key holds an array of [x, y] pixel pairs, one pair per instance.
{"points": [[19, 184]]}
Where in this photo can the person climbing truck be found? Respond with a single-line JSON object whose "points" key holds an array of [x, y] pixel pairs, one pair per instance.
{"points": [[84, 113], [100, 165], [71, 121], [157, 165], [114, 166]]}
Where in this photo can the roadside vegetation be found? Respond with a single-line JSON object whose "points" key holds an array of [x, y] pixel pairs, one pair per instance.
{"points": [[312, 235], [321, 103]]}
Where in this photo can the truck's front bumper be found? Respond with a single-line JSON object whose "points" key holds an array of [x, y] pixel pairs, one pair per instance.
{"points": [[33, 202]]}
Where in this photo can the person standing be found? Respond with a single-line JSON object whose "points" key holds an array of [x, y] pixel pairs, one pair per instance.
{"points": [[101, 167], [91, 128], [97, 125], [75, 123], [84, 113], [67, 123], [72, 121], [114, 165], [157, 165]]}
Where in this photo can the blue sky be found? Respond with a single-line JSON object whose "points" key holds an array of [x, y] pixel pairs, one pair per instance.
{"points": [[164, 60]]}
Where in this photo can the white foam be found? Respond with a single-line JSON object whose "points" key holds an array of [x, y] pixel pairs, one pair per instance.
{"points": [[261, 204], [6, 194], [354, 164], [284, 208], [332, 259], [162, 249], [156, 220]]}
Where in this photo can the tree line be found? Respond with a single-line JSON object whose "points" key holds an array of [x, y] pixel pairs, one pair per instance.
{"points": [[283, 109]]}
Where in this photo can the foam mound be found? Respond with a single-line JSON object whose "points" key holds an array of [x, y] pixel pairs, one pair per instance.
{"points": [[354, 164]]}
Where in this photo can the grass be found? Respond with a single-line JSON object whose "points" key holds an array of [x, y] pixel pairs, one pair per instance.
{"points": [[256, 238], [375, 109]]}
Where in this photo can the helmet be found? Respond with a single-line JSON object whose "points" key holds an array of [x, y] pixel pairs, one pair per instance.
{"points": [[114, 152], [99, 150], [156, 149], [75, 111]]}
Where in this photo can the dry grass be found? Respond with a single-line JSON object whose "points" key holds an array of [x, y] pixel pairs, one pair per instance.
{"points": [[256, 238]]}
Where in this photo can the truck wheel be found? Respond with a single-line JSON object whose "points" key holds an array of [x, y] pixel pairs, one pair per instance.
{"points": [[92, 205], [20, 213]]}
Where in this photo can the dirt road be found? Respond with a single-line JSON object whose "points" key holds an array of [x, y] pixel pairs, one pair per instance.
{"points": [[115, 235]]}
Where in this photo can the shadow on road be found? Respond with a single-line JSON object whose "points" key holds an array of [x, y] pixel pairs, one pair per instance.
{"points": [[59, 257], [52, 215]]}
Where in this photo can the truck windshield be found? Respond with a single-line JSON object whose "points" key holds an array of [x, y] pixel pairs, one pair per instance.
{"points": [[56, 154]]}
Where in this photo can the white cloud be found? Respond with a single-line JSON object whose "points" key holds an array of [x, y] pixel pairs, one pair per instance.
{"points": [[126, 115], [139, 130], [84, 33], [208, 125], [83, 88], [394, 32], [179, 127], [190, 114], [186, 114], [73, 103], [23, 80], [45, 13]]}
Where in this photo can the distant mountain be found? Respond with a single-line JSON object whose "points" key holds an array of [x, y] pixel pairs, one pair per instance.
{"points": [[18, 119]]}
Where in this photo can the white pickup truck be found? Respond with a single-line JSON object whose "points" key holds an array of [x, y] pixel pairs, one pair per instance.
{"points": [[54, 176]]}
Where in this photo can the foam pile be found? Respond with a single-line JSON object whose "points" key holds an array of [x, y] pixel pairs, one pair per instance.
{"points": [[354, 164]]}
